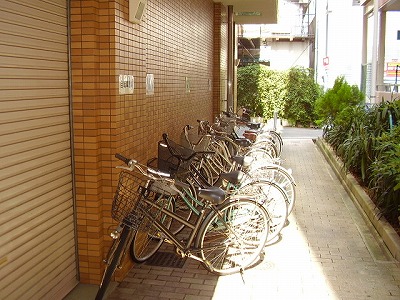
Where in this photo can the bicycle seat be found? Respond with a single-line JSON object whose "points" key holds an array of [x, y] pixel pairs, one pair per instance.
{"points": [[234, 177], [213, 194], [254, 125], [244, 161], [243, 142], [238, 159], [251, 136]]}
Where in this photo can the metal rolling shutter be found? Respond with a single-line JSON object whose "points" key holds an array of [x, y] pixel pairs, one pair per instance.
{"points": [[37, 243]]}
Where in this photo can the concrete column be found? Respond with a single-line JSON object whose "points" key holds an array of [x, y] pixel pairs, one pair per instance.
{"points": [[381, 49], [230, 63], [374, 61]]}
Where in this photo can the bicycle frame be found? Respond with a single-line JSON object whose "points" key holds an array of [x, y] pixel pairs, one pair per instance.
{"points": [[185, 249], [182, 248]]}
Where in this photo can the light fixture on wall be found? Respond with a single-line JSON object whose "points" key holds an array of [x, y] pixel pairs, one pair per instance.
{"points": [[136, 10]]}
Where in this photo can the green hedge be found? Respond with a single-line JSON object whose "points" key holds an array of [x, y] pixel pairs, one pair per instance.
{"points": [[291, 93]]}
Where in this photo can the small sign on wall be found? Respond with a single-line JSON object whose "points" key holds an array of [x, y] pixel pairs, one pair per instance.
{"points": [[150, 84], [187, 85], [126, 84], [136, 10]]}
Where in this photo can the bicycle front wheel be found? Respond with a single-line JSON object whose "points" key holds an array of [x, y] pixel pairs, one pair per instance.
{"points": [[113, 261], [148, 238], [273, 198], [232, 239]]}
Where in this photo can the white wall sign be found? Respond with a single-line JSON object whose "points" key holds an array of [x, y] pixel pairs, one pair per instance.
{"points": [[150, 84], [126, 84]]}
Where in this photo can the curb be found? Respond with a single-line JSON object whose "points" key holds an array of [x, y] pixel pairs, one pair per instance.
{"points": [[362, 200]]}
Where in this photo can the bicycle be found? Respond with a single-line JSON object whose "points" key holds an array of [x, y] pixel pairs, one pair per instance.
{"points": [[227, 236], [257, 162], [263, 190]]}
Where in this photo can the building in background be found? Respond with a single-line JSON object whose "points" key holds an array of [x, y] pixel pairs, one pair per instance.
{"points": [[381, 49], [288, 43], [323, 35], [356, 39]]}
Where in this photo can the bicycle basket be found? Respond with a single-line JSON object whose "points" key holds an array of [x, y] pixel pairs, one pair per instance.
{"points": [[174, 158], [166, 162], [127, 207]]}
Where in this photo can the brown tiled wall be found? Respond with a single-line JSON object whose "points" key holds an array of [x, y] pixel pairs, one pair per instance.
{"points": [[174, 41], [220, 57]]}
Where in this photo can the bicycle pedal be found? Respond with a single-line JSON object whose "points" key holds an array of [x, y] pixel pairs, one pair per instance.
{"points": [[180, 253], [168, 241]]}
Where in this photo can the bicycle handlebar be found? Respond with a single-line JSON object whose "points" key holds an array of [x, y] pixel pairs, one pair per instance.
{"points": [[149, 172], [126, 160]]}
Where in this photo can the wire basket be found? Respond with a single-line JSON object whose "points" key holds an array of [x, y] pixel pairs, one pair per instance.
{"points": [[127, 207], [166, 162], [174, 159]]}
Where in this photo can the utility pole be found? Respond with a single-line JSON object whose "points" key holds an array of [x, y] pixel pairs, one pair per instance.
{"points": [[326, 58]]}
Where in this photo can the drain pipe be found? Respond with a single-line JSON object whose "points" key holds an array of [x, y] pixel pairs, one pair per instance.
{"points": [[230, 62], [71, 128]]}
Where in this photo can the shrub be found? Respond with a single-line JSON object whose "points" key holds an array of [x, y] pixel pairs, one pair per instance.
{"points": [[300, 96], [291, 94], [260, 90], [367, 141], [385, 174], [333, 105]]}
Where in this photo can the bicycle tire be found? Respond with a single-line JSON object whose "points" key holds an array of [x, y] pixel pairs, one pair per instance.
{"points": [[230, 250], [114, 261], [273, 198], [274, 137], [201, 174], [277, 138], [279, 175], [148, 238], [260, 156], [268, 145]]}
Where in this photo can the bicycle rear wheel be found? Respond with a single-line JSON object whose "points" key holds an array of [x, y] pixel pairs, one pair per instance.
{"points": [[233, 238], [113, 261]]}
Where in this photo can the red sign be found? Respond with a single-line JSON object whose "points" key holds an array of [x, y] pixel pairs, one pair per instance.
{"points": [[325, 61], [391, 68]]}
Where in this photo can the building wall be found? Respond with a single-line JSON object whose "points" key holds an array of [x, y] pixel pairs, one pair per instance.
{"points": [[288, 54], [341, 42], [220, 79], [175, 43]]}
